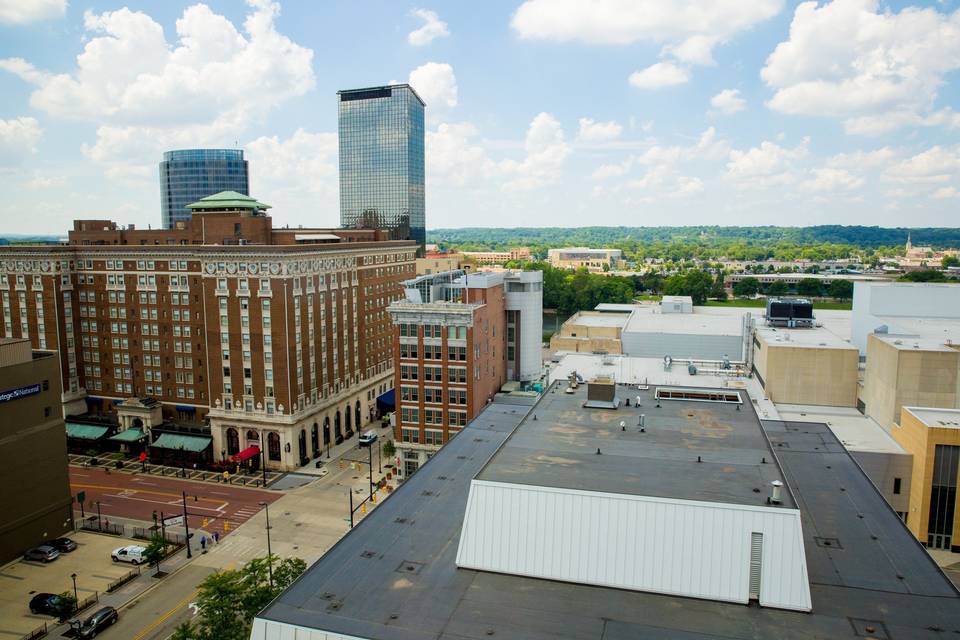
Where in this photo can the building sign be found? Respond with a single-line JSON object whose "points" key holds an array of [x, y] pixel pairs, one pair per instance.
{"points": [[172, 522], [22, 392]]}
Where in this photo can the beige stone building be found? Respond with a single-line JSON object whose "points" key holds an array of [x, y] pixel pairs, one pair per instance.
{"points": [[592, 259], [521, 254], [806, 366], [932, 436], [590, 332], [908, 371], [440, 262]]}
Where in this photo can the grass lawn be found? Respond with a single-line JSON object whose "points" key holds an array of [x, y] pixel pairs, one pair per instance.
{"points": [[762, 303]]}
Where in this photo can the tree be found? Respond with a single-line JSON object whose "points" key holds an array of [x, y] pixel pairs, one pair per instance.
{"points": [[928, 275], [389, 449], [777, 288], [227, 601], [155, 552], [64, 606], [950, 261], [809, 287], [718, 291], [746, 288], [841, 289]]}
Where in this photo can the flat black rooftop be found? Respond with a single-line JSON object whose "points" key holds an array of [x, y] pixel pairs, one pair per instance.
{"points": [[394, 576], [559, 448]]}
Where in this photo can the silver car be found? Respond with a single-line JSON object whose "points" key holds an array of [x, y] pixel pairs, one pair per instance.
{"points": [[43, 553]]}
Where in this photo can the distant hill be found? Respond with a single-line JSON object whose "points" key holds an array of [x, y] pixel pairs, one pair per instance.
{"points": [[860, 236], [16, 238]]}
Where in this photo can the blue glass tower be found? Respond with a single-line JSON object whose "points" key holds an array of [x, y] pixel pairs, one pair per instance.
{"points": [[381, 160], [187, 175]]}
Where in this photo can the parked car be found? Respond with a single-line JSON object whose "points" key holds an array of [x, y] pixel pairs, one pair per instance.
{"points": [[63, 545], [43, 553], [367, 438], [131, 553], [44, 603], [100, 620]]}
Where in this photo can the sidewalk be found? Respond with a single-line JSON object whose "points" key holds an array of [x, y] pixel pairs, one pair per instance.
{"points": [[330, 457]]}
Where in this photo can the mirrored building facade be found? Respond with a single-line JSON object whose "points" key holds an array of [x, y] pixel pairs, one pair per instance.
{"points": [[381, 160], [188, 175]]}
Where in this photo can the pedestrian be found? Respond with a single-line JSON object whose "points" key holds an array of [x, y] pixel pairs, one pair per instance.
{"points": [[203, 543], [216, 537]]}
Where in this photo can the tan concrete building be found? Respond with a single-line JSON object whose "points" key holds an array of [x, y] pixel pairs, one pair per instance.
{"points": [[440, 262], [521, 254], [932, 436], [908, 371], [590, 332], [806, 366], [595, 260], [33, 447]]}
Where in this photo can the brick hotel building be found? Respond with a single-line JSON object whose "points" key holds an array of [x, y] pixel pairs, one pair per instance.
{"points": [[270, 335]]}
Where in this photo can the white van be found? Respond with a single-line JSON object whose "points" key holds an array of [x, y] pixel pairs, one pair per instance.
{"points": [[131, 553], [367, 438]]}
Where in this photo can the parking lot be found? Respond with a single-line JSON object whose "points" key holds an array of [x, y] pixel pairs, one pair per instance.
{"points": [[21, 580]]}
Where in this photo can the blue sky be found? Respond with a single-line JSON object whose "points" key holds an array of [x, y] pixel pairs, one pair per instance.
{"points": [[540, 112]]}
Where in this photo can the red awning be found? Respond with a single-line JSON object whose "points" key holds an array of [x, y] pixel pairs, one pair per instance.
{"points": [[247, 453]]}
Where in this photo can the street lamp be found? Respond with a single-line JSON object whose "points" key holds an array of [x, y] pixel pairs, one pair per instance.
{"points": [[263, 459], [76, 598], [266, 506], [99, 518]]}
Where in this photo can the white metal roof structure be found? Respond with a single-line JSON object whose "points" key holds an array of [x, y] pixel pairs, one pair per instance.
{"points": [[679, 506]]}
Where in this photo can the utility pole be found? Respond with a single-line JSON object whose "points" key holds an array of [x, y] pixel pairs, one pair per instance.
{"points": [[263, 460], [350, 494], [99, 520], [370, 466], [186, 524]]}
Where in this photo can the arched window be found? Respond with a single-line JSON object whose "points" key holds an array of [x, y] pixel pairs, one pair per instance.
{"points": [[326, 430], [303, 444], [273, 445], [233, 442], [336, 425], [346, 415], [357, 415], [315, 439], [252, 438]]}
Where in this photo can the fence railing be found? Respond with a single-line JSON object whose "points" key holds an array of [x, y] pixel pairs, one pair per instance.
{"points": [[39, 632], [87, 602], [124, 579]]}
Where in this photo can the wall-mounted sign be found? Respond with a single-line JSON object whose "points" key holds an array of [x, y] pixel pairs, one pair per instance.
{"points": [[22, 392]]}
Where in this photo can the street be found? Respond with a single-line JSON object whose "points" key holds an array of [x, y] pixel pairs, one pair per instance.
{"points": [[304, 523], [211, 507]]}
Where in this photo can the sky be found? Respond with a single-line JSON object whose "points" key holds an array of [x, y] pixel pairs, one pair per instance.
{"points": [[539, 112]]}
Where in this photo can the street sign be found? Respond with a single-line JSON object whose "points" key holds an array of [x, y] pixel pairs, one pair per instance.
{"points": [[81, 496], [173, 521]]}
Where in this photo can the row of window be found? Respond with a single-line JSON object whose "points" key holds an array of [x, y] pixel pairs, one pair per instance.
{"points": [[433, 395], [432, 331]]}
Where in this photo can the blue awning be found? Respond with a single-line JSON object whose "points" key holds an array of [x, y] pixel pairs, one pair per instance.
{"points": [[185, 408], [387, 402]]}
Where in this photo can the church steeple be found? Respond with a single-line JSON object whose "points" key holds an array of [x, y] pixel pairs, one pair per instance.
{"points": [[909, 244]]}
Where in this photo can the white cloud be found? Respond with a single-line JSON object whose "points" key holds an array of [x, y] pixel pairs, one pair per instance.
{"points": [[936, 165], [592, 131], [144, 92], [607, 171], [436, 83], [830, 179], [659, 75], [433, 27], [300, 176], [862, 159], [546, 154], [877, 70], [18, 139], [454, 157], [40, 182], [728, 102], [26, 11], [629, 21], [766, 165], [944, 193]]}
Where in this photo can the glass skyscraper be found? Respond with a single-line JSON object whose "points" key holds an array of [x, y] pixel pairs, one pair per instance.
{"points": [[381, 160], [187, 175]]}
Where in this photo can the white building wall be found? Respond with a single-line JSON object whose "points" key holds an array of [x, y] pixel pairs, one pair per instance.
{"points": [[530, 305], [648, 344], [677, 547], [270, 630], [880, 303]]}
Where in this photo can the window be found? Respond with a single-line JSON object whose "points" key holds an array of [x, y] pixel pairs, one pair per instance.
{"points": [[433, 416], [457, 354], [409, 394], [457, 418], [409, 415], [896, 486], [433, 395], [409, 351], [457, 396]]}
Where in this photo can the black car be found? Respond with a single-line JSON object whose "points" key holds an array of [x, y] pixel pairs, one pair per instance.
{"points": [[63, 545], [44, 603], [97, 622]]}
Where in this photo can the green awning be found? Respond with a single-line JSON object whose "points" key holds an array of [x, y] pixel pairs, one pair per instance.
{"points": [[187, 443], [128, 435], [85, 431]]}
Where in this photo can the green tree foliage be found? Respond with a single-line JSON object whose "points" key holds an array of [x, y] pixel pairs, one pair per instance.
{"points": [[777, 288], [841, 289], [696, 284], [156, 551], [950, 261], [389, 449], [64, 606], [228, 600], [810, 287], [746, 288], [571, 291], [929, 275]]}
